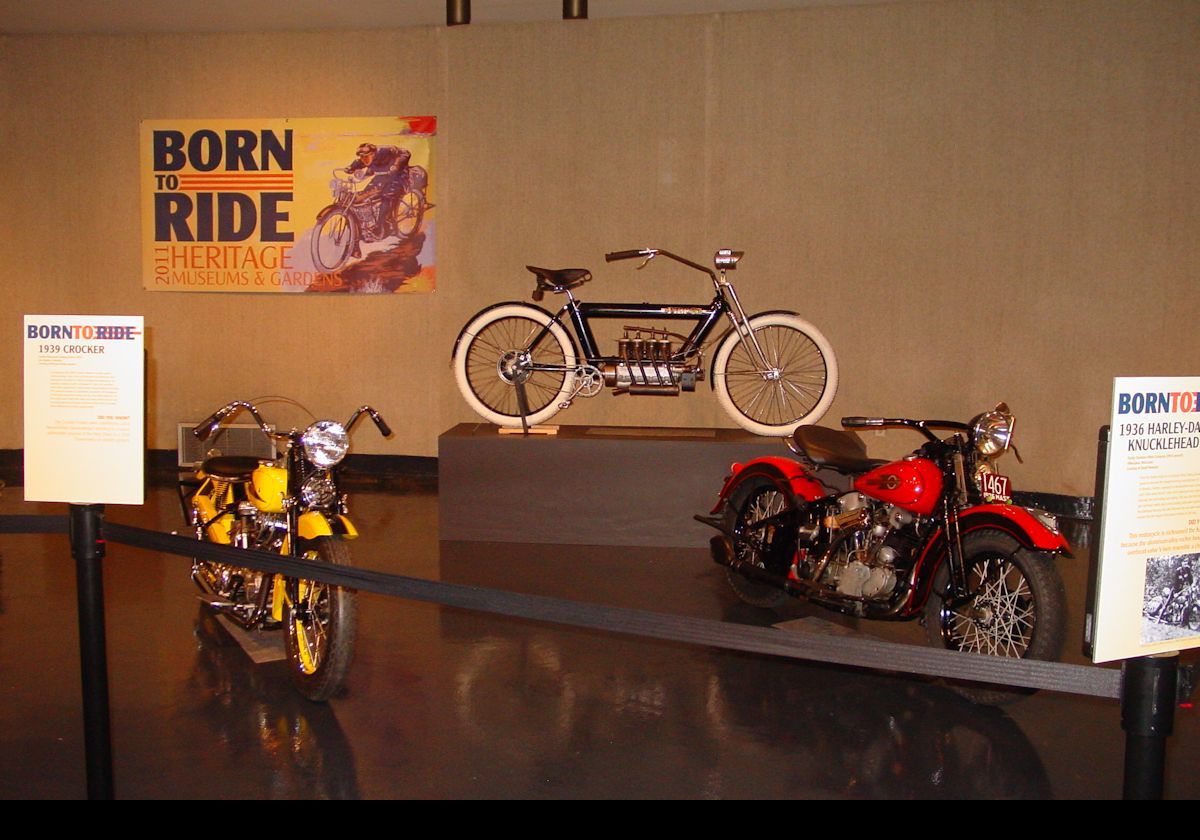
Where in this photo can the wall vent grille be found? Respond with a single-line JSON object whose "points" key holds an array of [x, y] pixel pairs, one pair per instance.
{"points": [[233, 439]]}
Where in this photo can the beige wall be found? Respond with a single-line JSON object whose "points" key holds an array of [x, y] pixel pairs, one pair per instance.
{"points": [[974, 200]]}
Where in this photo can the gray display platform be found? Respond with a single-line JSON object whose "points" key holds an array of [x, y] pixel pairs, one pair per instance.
{"points": [[587, 485]]}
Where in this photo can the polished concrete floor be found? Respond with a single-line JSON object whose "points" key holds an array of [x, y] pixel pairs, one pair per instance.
{"points": [[451, 704]]}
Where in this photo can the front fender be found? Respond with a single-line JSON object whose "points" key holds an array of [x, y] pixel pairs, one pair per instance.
{"points": [[1014, 520], [313, 525], [1019, 523], [790, 475]]}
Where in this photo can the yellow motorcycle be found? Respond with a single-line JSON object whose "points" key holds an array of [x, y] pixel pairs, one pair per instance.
{"points": [[287, 505]]}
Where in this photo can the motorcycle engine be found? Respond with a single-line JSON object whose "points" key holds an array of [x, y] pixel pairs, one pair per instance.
{"points": [[863, 557], [644, 364]]}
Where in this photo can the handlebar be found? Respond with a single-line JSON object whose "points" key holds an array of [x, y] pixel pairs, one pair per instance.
{"points": [[922, 426], [204, 429], [384, 428], [613, 256], [651, 253], [208, 425], [861, 422]]}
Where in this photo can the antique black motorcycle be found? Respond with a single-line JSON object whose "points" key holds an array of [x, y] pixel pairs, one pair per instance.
{"points": [[289, 505], [518, 364], [933, 536]]}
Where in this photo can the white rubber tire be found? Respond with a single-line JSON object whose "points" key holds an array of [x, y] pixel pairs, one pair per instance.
{"points": [[776, 408], [477, 357]]}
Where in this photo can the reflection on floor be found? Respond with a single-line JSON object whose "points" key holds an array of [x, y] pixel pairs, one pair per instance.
{"points": [[447, 703]]}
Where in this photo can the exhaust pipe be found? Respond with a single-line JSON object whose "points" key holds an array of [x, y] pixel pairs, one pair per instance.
{"points": [[723, 555]]}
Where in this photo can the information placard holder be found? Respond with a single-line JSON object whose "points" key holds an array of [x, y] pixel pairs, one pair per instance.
{"points": [[85, 526]]}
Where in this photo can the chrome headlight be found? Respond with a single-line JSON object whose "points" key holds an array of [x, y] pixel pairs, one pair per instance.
{"points": [[992, 430], [325, 443], [318, 491]]}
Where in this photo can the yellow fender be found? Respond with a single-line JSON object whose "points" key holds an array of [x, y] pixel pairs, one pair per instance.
{"points": [[314, 525]]}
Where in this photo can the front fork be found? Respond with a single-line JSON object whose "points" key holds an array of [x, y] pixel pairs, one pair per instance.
{"points": [[741, 323], [953, 500]]}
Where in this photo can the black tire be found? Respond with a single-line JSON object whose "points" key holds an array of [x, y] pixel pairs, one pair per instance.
{"points": [[409, 215], [320, 628], [1024, 608], [333, 240], [756, 499]]}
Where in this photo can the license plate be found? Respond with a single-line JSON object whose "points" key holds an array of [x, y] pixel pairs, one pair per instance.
{"points": [[994, 487]]}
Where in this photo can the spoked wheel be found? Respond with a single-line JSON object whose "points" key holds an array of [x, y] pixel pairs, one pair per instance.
{"points": [[1192, 619], [757, 517], [321, 626], [410, 214], [333, 240], [1017, 608], [510, 345], [796, 386]]}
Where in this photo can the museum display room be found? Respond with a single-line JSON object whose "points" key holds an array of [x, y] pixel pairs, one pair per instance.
{"points": [[953, 205]]}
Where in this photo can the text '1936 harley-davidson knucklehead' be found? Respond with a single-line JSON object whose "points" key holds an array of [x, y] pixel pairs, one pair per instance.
{"points": [[518, 364], [291, 505], [933, 536]]}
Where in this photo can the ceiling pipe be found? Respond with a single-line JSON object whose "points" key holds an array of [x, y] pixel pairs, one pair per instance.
{"points": [[574, 9], [458, 12]]}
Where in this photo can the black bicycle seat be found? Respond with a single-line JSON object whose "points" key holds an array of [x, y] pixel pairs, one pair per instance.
{"points": [[558, 280]]}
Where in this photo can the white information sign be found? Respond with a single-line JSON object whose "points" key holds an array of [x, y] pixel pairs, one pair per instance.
{"points": [[1148, 581], [84, 408]]}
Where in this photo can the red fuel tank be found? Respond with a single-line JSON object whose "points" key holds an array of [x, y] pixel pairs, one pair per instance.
{"points": [[914, 485]]}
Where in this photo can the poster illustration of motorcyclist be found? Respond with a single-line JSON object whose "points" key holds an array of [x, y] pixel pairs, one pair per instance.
{"points": [[337, 204], [371, 238]]}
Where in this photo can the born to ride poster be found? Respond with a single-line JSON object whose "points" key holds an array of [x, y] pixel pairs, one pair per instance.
{"points": [[289, 205]]}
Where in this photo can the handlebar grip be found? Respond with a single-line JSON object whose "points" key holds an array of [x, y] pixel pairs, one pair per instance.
{"points": [[861, 422], [626, 255], [204, 429], [384, 428]]}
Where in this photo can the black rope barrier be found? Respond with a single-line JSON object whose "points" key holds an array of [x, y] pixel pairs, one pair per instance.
{"points": [[33, 524], [89, 532], [864, 653]]}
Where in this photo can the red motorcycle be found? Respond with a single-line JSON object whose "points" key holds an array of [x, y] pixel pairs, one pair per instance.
{"points": [[933, 536]]}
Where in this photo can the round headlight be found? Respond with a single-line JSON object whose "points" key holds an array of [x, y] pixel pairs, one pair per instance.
{"points": [[325, 443], [992, 430]]}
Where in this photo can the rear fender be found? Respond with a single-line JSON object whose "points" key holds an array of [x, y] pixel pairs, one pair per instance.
{"points": [[788, 474], [549, 315]]}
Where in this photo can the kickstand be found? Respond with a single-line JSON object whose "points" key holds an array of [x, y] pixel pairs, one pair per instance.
{"points": [[522, 406]]}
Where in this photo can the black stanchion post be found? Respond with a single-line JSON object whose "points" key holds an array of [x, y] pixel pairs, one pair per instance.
{"points": [[1147, 716], [87, 547]]}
